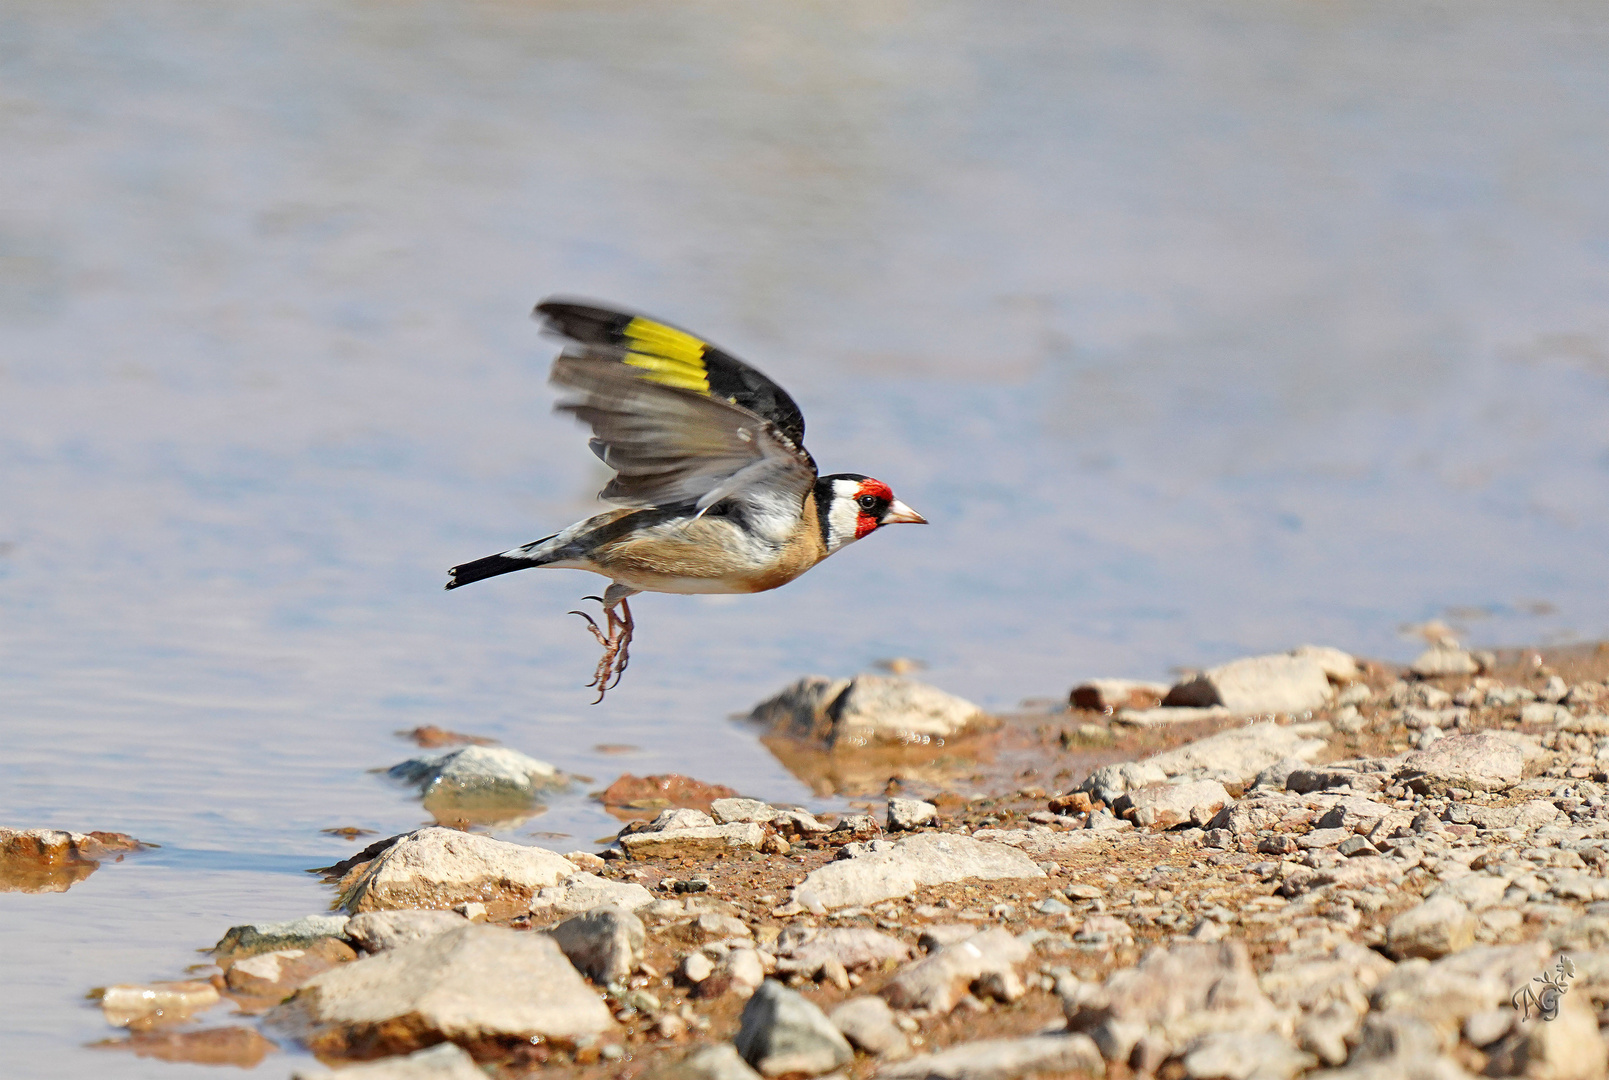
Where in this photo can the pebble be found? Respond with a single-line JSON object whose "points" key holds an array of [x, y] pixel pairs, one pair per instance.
{"points": [[907, 814], [477, 770], [1439, 926], [890, 869], [132, 1005], [783, 1032], [983, 963], [605, 944], [377, 931], [869, 1024], [252, 938]]}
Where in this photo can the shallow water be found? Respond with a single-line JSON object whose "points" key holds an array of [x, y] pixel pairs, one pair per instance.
{"points": [[1194, 331]]}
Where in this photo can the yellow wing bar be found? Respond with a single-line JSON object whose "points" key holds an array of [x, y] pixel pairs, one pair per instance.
{"points": [[669, 356]]}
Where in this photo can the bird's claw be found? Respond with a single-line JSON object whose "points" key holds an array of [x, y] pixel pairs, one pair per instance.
{"points": [[616, 642]]}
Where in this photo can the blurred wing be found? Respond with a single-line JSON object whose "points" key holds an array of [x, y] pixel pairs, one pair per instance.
{"points": [[673, 357], [656, 421]]}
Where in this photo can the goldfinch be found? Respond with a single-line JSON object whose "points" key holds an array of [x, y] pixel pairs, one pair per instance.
{"points": [[717, 492]]}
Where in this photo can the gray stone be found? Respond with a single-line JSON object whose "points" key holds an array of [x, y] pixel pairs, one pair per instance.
{"points": [[1445, 992], [1276, 775], [1172, 997], [1443, 660], [1162, 806], [605, 944], [476, 984], [984, 964], [889, 869], [1479, 761], [1239, 753], [868, 709], [1395, 1035], [868, 1023], [678, 818], [584, 891], [1477, 892], [444, 1061], [377, 931], [1486, 1026], [1042, 842], [737, 811], [1338, 666], [718, 1062], [1227, 1055], [784, 1032], [1003, 1059], [1110, 781], [1322, 838], [133, 1003], [806, 949], [702, 842], [1433, 929], [251, 938], [1258, 685], [1543, 712], [479, 770], [907, 814], [441, 868]]}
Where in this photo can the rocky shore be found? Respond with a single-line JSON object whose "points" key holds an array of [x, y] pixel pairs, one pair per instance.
{"points": [[1291, 865]]}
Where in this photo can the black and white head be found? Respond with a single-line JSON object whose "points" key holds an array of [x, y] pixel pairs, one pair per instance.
{"points": [[851, 506]]}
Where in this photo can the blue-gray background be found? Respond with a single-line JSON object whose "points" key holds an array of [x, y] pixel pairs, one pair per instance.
{"points": [[1195, 329]]}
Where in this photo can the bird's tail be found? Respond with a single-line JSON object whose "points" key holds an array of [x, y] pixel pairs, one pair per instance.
{"points": [[520, 558]]}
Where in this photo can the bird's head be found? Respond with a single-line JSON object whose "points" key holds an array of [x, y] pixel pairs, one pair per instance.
{"points": [[852, 506]]}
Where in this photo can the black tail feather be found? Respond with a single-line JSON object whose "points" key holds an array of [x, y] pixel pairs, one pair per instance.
{"points": [[490, 566]]}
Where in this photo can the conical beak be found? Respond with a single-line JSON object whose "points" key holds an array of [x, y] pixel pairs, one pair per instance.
{"points": [[898, 512]]}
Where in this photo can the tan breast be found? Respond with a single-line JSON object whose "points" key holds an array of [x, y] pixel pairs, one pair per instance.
{"points": [[700, 555]]}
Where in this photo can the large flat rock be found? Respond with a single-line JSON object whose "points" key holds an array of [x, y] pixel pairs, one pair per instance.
{"points": [[440, 868], [476, 985], [885, 870], [1257, 685], [1478, 761]]}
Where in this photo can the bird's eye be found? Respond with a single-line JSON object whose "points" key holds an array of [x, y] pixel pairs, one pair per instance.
{"points": [[867, 502]]}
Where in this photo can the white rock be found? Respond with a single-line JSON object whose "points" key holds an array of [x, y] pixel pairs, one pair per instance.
{"points": [[1439, 926], [1277, 683], [583, 892], [1338, 666], [478, 769], [906, 814], [444, 1061], [1238, 753], [1479, 761], [730, 811], [701, 842], [1443, 660], [467, 985], [377, 931], [868, 708], [984, 963], [605, 944], [1162, 806], [440, 868], [869, 1024], [127, 1003], [888, 870]]}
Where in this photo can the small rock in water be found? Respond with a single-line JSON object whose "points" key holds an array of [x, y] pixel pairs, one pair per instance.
{"points": [[431, 737], [868, 1023], [906, 814], [784, 1032], [54, 860], [868, 709], [605, 944], [270, 977], [662, 791], [135, 1005], [252, 938]]}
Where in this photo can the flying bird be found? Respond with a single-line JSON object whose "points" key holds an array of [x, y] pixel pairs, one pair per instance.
{"points": [[716, 491]]}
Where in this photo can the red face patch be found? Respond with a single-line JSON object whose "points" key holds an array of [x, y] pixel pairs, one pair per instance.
{"points": [[872, 497]]}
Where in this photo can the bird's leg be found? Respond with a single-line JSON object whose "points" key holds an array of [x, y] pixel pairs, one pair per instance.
{"points": [[616, 639]]}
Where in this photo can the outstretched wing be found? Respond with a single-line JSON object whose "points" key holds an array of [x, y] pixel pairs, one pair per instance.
{"points": [[678, 420]]}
